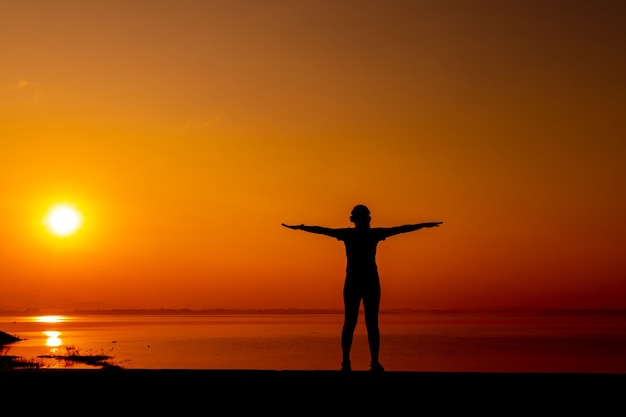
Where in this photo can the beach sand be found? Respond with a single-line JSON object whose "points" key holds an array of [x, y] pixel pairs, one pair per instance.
{"points": [[184, 392]]}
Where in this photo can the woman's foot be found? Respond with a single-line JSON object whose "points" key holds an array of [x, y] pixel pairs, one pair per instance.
{"points": [[346, 367], [377, 368]]}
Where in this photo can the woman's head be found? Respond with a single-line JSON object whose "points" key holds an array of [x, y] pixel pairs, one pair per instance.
{"points": [[360, 215]]}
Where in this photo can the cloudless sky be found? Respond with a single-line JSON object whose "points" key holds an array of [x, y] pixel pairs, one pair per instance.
{"points": [[187, 131]]}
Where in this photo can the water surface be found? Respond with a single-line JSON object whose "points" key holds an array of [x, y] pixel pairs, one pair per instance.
{"points": [[441, 342]]}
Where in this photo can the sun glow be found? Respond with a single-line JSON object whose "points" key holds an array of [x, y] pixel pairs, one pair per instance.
{"points": [[49, 319], [63, 220]]}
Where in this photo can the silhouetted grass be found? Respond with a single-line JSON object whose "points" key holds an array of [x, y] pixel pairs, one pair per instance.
{"points": [[16, 362], [72, 357]]}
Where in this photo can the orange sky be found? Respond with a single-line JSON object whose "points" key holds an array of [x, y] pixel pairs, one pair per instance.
{"points": [[188, 131]]}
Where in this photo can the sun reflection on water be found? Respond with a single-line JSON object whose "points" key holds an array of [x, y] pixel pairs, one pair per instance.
{"points": [[53, 339]]}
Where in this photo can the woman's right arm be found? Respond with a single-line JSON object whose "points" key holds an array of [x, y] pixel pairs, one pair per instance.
{"points": [[313, 229]]}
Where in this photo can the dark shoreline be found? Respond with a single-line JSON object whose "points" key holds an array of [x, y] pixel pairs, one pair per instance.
{"points": [[276, 391]]}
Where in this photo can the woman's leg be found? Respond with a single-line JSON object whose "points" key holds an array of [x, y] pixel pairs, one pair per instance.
{"points": [[371, 306], [351, 304]]}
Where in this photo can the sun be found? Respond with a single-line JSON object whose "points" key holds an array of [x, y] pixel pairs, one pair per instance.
{"points": [[63, 219]]}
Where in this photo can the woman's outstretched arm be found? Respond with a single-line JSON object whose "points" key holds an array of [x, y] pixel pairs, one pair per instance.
{"points": [[313, 229], [410, 228]]}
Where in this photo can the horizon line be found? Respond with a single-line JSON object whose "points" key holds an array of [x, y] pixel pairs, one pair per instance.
{"points": [[292, 310]]}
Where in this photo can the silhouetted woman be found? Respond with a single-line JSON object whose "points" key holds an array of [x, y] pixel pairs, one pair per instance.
{"points": [[362, 281]]}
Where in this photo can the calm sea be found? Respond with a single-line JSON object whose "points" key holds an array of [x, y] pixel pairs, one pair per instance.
{"points": [[588, 342]]}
